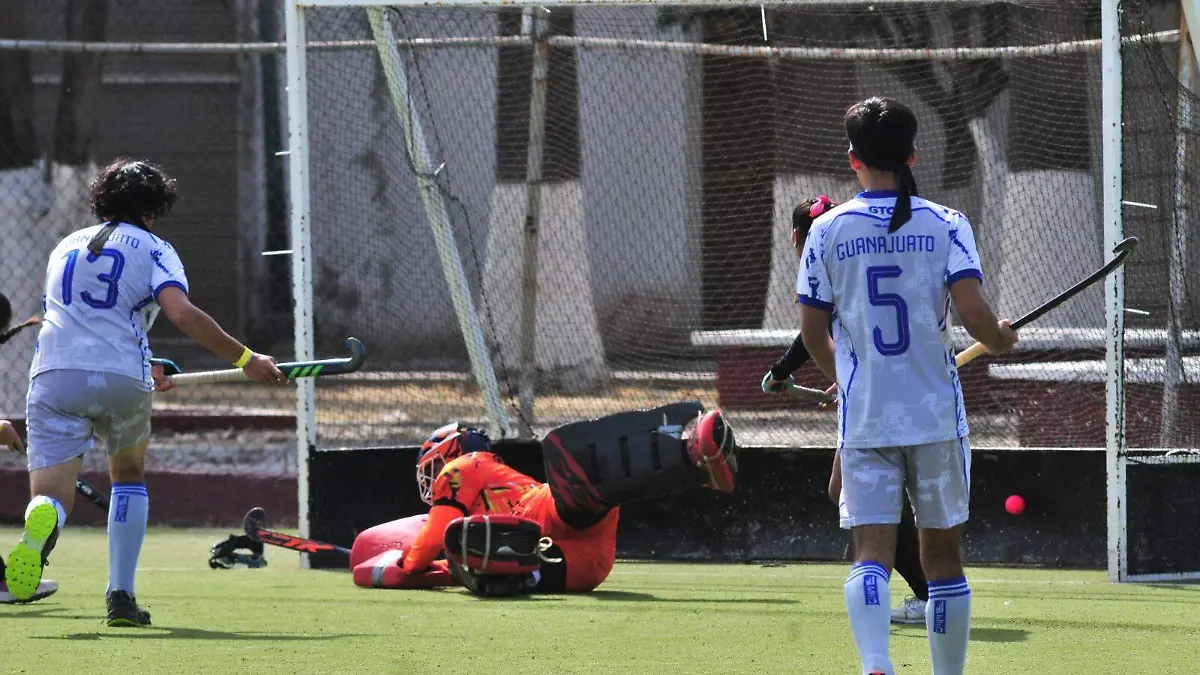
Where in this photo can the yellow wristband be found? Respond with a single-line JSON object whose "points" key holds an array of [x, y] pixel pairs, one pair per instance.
{"points": [[244, 358]]}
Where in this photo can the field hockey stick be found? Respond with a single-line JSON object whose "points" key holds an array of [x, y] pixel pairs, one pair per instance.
{"points": [[252, 523], [811, 394], [1121, 252], [91, 494], [11, 332], [358, 354], [84, 488]]}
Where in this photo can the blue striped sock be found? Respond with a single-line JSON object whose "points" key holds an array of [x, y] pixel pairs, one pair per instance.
{"points": [[948, 620], [128, 511], [869, 604]]}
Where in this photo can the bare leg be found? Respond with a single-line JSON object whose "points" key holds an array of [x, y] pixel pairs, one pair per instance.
{"points": [[56, 482], [53, 492]]}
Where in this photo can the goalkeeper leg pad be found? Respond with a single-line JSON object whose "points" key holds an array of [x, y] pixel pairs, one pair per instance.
{"points": [[712, 449], [395, 535], [594, 465]]}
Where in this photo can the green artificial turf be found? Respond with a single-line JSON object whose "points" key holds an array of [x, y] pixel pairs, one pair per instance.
{"points": [[657, 619]]}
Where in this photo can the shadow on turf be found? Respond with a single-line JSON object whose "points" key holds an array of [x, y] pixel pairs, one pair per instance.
{"points": [[977, 634], [169, 633], [629, 596]]}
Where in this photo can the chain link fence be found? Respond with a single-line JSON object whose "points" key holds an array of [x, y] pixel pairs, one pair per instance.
{"points": [[183, 83]]}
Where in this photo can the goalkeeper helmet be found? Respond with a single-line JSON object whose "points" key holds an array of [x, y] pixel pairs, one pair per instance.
{"points": [[444, 446]]}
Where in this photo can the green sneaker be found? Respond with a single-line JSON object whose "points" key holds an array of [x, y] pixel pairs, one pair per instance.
{"points": [[45, 590], [23, 574]]}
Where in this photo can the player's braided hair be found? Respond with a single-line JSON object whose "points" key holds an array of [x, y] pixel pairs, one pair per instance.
{"points": [[130, 190], [881, 133]]}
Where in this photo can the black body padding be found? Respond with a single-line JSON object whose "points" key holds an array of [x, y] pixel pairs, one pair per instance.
{"points": [[554, 574], [594, 465]]}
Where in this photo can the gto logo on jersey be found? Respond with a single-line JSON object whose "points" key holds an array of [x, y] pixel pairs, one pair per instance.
{"points": [[871, 589]]}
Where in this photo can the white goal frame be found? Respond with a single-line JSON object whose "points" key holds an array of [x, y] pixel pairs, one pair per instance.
{"points": [[302, 274]]}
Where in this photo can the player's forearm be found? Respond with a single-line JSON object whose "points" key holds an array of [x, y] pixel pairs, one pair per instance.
{"points": [[429, 542], [975, 314], [202, 328], [815, 334], [790, 362], [983, 326]]}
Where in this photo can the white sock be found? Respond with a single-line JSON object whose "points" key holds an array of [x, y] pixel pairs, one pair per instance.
{"points": [[948, 620], [128, 511], [58, 507], [869, 603]]}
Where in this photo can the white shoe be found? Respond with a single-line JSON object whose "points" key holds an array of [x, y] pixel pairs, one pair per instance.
{"points": [[912, 610], [45, 589]]}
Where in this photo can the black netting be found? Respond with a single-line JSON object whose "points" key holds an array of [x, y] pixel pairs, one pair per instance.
{"points": [[216, 121], [1161, 175], [676, 143]]}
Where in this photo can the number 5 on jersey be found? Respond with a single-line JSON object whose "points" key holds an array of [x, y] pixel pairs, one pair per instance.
{"points": [[110, 278], [891, 300]]}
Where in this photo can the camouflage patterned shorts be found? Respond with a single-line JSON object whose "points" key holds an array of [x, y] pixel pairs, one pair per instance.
{"points": [[68, 409], [937, 477]]}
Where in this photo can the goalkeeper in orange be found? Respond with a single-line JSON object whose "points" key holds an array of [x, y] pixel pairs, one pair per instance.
{"points": [[504, 532]]}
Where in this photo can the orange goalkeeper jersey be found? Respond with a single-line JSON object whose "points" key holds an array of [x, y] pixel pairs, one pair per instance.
{"points": [[473, 484]]}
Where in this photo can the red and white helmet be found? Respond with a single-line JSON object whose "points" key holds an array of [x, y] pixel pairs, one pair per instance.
{"points": [[442, 447]]}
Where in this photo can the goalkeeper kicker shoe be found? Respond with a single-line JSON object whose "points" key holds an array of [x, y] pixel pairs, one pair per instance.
{"points": [[912, 610], [712, 449], [23, 574], [123, 611]]}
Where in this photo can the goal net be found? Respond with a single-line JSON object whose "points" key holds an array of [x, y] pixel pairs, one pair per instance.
{"points": [[534, 215], [1160, 460]]}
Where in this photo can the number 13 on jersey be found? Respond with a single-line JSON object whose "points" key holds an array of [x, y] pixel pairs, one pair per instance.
{"points": [[892, 301], [109, 278]]}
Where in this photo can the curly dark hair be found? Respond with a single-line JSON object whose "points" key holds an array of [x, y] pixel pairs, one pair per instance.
{"points": [[130, 190]]}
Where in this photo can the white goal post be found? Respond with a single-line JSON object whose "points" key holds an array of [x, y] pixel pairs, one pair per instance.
{"points": [[426, 166]]}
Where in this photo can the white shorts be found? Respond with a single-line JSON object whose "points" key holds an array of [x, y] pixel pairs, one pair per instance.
{"points": [[936, 475], [67, 409]]}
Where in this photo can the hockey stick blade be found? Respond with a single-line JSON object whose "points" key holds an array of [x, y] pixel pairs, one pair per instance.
{"points": [[815, 395], [252, 524], [322, 368], [1121, 253]]}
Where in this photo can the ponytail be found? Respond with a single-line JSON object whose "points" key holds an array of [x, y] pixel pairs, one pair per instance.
{"points": [[906, 185]]}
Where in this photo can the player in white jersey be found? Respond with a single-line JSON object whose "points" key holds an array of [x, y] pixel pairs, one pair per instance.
{"points": [[91, 375], [890, 263], [779, 378]]}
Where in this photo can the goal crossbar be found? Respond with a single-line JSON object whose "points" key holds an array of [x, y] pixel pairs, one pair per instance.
{"points": [[600, 43]]}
